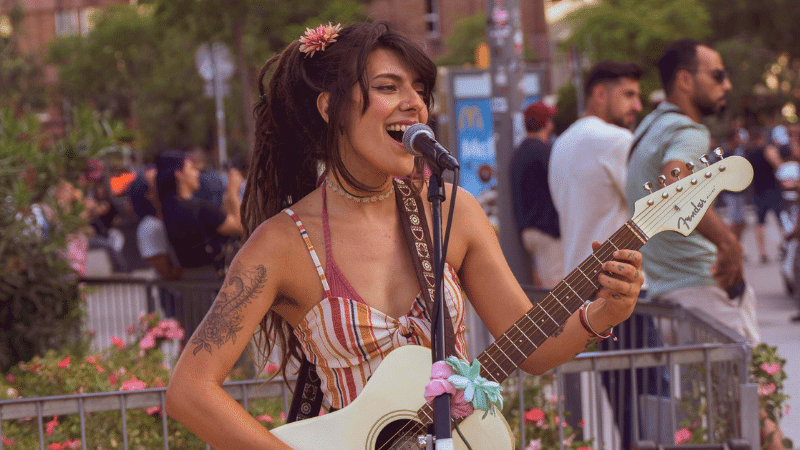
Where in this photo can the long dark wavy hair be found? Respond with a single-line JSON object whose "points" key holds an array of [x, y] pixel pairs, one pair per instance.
{"points": [[293, 141]]}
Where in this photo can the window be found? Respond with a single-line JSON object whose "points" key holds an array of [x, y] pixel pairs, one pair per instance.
{"points": [[87, 20], [67, 22], [432, 17], [5, 26]]}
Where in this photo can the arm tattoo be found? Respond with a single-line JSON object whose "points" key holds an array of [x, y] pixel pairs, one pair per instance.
{"points": [[224, 319], [560, 330]]}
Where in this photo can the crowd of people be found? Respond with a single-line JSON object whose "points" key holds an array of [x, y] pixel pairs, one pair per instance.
{"points": [[596, 170]]}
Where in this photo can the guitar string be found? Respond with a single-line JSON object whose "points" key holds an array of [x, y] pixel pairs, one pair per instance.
{"points": [[658, 210], [403, 431], [604, 252]]}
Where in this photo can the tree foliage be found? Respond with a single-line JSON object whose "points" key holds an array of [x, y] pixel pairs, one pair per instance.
{"points": [[636, 31], [20, 75]]}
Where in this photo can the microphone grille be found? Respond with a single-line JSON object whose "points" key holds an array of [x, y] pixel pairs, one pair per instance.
{"points": [[411, 133]]}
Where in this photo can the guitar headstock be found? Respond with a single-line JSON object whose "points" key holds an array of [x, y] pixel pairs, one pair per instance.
{"points": [[680, 205]]}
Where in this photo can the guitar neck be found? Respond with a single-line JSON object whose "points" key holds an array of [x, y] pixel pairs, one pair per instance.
{"points": [[551, 313]]}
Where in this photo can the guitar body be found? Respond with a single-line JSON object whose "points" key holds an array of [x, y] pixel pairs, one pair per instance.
{"points": [[388, 404]]}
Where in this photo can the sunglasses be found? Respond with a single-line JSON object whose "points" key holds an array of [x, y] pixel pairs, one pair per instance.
{"points": [[719, 75]]}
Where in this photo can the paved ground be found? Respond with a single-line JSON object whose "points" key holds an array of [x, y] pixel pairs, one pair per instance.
{"points": [[775, 307]]}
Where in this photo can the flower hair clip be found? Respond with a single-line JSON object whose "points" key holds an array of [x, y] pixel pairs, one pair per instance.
{"points": [[315, 40]]}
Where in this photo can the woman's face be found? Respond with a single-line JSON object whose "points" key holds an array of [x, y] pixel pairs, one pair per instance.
{"points": [[373, 141]]}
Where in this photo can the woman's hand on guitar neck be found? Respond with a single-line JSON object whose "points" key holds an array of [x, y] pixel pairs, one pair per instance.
{"points": [[620, 281]]}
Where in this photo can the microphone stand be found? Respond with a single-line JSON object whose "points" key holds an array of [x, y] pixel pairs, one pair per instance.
{"points": [[441, 404]]}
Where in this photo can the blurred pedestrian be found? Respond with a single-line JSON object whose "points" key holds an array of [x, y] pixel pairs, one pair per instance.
{"points": [[733, 145], [588, 163], [535, 215], [765, 159], [196, 228], [212, 186], [703, 269]]}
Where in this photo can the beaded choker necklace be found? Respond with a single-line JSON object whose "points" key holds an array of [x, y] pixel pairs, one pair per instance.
{"points": [[372, 199]]}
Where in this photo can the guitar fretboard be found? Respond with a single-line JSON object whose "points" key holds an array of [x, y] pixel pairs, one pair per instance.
{"points": [[551, 313]]}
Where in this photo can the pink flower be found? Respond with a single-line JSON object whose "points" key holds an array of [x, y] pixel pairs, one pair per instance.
{"points": [[585, 448], [50, 427], [132, 385], [8, 442], [119, 343], [64, 363], [766, 390], [11, 378], [99, 369], [535, 415], [535, 444], [771, 369], [459, 406], [271, 368], [153, 410], [72, 443], [91, 360], [682, 435], [170, 329], [55, 446], [582, 423], [317, 39], [265, 418], [147, 342], [112, 379], [283, 416]]}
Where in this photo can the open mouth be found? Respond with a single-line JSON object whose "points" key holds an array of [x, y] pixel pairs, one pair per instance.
{"points": [[396, 132]]}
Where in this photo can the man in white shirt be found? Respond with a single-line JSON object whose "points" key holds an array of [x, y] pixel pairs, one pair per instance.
{"points": [[588, 162]]}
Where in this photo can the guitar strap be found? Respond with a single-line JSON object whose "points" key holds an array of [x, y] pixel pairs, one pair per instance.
{"points": [[307, 397], [638, 139]]}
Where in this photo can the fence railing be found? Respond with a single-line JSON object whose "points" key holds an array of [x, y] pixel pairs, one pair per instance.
{"points": [[672, 368]]}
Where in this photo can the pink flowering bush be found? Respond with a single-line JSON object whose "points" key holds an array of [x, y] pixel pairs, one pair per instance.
{"points": [[766, 369], [541, 417], [132, 362]]}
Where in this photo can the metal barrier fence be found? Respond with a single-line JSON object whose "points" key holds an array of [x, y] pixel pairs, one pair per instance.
{"points": [[671, 367]]}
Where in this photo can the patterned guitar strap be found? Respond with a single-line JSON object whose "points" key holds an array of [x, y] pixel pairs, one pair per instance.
{"points": [[307, 398]]}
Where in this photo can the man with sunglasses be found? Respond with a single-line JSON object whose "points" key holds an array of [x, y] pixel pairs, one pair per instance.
{"points": [[703, 270]]}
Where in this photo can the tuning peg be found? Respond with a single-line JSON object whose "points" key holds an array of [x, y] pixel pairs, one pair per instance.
{"points": [[662, 180], [690, 166], [718, 153], [704, 160], [648, 187], [676, 173]]}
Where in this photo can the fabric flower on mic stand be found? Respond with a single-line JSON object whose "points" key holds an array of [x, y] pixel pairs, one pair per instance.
{"points": [[467, 388]]}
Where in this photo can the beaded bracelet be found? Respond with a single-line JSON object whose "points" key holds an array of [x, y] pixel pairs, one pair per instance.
{"points": [[583, 315]]}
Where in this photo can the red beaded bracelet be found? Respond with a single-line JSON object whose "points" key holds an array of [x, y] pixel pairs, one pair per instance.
{"points": [[583, 315]]}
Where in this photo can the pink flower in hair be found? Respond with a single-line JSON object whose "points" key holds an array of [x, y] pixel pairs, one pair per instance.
{"points": [[315, 40]]}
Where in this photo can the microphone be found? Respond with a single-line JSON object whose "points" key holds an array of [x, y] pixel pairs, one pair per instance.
{"points": [[418, 140]]}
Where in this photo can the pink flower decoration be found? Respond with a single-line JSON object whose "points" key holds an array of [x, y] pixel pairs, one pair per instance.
{"points": [[153, 410], [459, 406], [50, 427], [682, 435], [132, 385], [771, 369], [766, 390], [64, 363], [265, 418], [119, 343], [317, 39]]}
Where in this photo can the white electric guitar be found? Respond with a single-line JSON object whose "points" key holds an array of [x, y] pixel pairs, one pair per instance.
{"points": [[390, 412]]}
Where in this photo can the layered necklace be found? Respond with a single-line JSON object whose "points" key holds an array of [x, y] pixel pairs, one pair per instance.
{"points": [[347, 195]]}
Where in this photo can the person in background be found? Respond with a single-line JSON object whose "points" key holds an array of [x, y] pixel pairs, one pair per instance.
{"points": [[535, 215], [327, 273], [212, 186], [151, 236], [765, 159], [703, 270], [588, 163], [195, 227]]}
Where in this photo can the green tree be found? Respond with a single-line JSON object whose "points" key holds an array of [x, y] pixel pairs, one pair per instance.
{"points": [[636, 31], [467, 34], [21, 84]]}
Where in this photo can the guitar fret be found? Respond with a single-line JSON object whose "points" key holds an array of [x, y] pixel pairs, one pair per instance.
{"points": [[522, 333], [587, 278], [612, 244], [548, 314], [598, 261], [497, 366], [573, 291], [636, 233], [504, 353], [535, 324]]}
